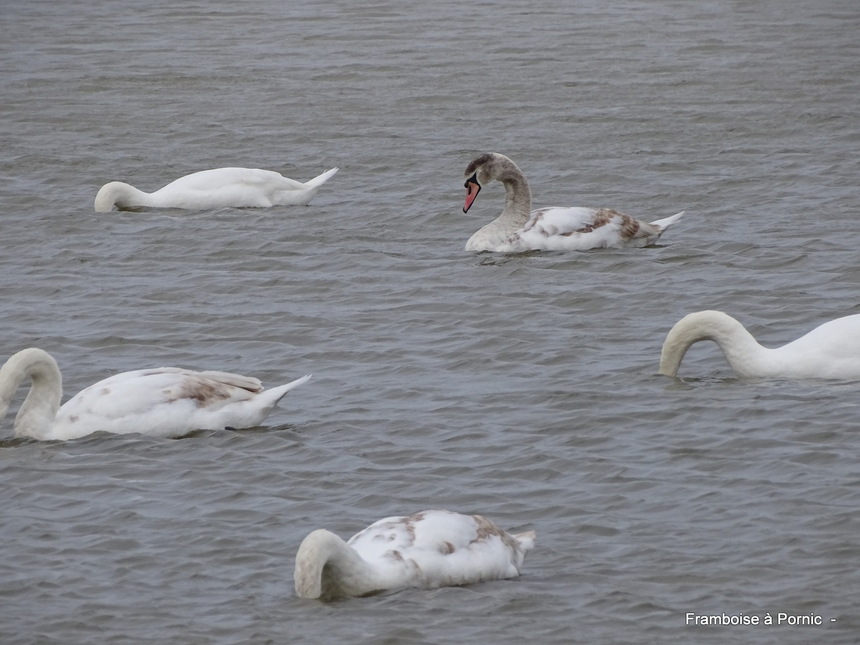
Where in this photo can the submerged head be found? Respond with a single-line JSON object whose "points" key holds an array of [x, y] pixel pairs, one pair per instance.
{"points": [[327, 568], [106, 197], [482, 170], [736, 343], [39, 409], [115, 193]]}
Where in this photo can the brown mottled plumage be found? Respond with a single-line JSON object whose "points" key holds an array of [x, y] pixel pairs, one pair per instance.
{"points": [[165, 402], [426, 550], [519, 228]]}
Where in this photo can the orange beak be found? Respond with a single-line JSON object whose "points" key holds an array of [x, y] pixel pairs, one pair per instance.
{"points": [[472, 189]]}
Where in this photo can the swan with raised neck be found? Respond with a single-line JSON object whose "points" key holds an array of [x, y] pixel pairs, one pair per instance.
{"points": [[830, 351], [519, 228], [164, 402]]}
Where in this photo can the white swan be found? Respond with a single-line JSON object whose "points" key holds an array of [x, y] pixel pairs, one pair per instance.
{"points": [[830, 351], [218, 188], [519, 228], [163, 402], [425, 550]]}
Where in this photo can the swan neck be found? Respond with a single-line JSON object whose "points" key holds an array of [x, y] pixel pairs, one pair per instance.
{"points": [[328, 568], [121, 195], [518, 197], [742, 351], [39, 409]]}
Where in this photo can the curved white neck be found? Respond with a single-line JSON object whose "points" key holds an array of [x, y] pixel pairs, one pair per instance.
{"points": [[327, 567], [121, 195], [39, 410], [746, 357]]}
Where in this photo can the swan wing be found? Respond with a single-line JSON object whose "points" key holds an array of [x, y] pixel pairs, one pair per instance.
{"points": [[225, 187], [236, 188], [163, 402], [577, 228]]}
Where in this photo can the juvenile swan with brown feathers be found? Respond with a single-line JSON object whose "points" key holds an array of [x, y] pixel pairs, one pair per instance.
{"points": [[424, 550], [519, 228], [163, 402]]}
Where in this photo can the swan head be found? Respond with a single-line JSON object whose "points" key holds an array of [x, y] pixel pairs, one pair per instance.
{"points": [[484, 169]]}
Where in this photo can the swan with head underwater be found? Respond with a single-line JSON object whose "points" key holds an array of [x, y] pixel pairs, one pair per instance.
{"points": [[216, 188], [519, 228], [424, 550], [162, 402], [830, 351]]}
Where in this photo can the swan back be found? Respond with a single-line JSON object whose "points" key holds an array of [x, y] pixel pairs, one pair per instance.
{"points": [[168, 402], [231, 187], [473, 547], [831, 351]]}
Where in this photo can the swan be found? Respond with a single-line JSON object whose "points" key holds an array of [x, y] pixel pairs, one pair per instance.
{"points": [[519, 228], [162, 402], [426, 550], [217, 188], [830, 351]]}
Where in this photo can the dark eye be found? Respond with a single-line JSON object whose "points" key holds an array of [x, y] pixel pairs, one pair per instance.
{"points": [[472, 180]]}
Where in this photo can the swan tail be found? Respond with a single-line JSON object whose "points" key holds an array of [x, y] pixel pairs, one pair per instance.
{"points": [[278, 393], [666, 222], [319, 180], [526, 540]]}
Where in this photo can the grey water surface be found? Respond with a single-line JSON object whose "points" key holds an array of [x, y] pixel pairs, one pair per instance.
{"points": [[522, 387]]}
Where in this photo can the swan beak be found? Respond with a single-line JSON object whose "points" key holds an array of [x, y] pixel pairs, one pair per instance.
{"points": [[472, 189]]}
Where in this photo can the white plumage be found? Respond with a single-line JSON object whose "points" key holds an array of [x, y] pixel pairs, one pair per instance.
{"points": [[519, 228], [425, 550], [217, 188], [164, 402], [830, 351]]}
